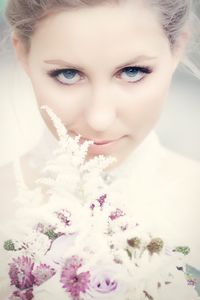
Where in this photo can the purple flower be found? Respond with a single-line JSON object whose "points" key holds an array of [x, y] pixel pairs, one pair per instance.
{"points": [[105, 285], [73, 282], [64, 216], [101, 200], [92, 206], [22, 295], [40, 227], [108, 281], [73, 263], [21, 273], [24, 276], [192, 282], [116, 214], [43, 273]]}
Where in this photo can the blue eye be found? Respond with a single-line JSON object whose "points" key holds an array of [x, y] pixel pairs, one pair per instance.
{"points": [[72, 76], [134, 74], [66, 76]]}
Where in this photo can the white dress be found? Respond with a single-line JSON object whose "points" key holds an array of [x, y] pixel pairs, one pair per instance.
{"points": [[163, 193]]}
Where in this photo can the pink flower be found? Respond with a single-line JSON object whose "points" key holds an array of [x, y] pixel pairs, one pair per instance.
{"points": [[64, 216], [22, 295], [73, 263], [24, 276], [116, 214], [21, 273], [74, 283], [101, 200], [43, 273]]}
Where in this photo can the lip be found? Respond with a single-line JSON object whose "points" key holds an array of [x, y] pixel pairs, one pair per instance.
{"points": [[98, 142], [102, 147]]}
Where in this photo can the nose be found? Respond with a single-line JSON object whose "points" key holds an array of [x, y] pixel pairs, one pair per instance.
{"points": [[100, 113]]}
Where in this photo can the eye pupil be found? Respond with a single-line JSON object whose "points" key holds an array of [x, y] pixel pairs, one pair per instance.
{"points": [[132, 71], [69, 74]]}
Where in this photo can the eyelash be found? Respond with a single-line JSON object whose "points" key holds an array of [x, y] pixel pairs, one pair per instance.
{"points": [[143, 69]]}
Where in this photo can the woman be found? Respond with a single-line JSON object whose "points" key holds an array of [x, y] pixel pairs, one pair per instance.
{"points": [[105, 67]]}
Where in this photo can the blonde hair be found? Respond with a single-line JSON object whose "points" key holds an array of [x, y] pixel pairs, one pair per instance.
{"points": [[24, 16]]}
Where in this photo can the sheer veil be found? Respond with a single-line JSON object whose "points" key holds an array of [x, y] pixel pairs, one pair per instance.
{"points": [[191, 61]]}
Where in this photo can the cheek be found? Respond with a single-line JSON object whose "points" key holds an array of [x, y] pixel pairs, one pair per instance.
{"points": [[146, 105], [64, 101]]}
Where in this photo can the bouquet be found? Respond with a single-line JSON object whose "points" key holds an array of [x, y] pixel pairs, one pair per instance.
{"points": [[76, 239]]}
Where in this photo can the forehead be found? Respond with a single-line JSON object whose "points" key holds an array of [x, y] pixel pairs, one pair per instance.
{"points": [[110, 30]]}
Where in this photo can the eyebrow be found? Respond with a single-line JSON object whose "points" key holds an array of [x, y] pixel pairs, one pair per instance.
{"points": [[63, 63]]}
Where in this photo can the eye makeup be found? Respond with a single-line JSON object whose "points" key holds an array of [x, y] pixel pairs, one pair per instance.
{"points": [[67, 76]]}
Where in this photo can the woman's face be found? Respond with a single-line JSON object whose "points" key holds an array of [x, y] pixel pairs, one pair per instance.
{"points": [[105, 71]]}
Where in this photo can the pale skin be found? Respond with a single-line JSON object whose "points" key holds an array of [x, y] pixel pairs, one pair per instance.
{"points": [[115, 66]]}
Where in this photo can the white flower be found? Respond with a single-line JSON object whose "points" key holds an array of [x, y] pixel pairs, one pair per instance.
{"points": [[35, 245], [51, 290], [58, 249]]}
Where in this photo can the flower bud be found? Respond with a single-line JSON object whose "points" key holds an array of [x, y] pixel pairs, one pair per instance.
{"points": [[134, 242], [155, 246]]}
